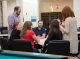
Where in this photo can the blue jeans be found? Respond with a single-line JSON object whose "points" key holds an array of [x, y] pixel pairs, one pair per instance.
{"points": [[35, 50]]}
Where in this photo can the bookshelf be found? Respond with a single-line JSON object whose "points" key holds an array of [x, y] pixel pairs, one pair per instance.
{"points": [[47, 17]]}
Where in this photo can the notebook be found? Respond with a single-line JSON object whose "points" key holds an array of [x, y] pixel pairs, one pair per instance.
{"points": [[42, 41]]}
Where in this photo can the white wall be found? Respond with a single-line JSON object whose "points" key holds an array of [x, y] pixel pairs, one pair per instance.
{"points": [[20, 3], [0, 14], [10, 6], [4, 11], [12, 3], [76, 8], [31, 8], [28, 8]]}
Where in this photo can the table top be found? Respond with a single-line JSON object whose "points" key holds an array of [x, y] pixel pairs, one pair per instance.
{"points": [[78, 32], [36, 54], [4, 35]]}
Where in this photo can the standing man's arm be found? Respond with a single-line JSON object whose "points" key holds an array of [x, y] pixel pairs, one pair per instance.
{"points": [[10, 23]]}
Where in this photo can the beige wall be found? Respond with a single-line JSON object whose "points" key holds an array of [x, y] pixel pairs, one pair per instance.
{"points": [[20, 3], [0, 14], [4, 11], [10, 6], [76, 9], [12, 3], [45, 4]]}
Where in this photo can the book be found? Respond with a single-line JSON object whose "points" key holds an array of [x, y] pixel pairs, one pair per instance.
{"points": [[42, 41]]}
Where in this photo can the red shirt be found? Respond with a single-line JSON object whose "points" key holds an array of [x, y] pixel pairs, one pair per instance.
{"points": [[29, 36]]}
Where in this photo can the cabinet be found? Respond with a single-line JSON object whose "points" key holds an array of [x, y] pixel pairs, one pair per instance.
{"points": [[47, 17]]}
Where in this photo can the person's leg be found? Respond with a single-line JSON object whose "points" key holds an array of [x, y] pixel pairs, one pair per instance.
{"points": [[38, 46], [35, 50], [44, 49], [74, 54]]}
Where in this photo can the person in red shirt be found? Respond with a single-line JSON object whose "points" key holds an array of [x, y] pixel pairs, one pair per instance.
{"points": [[27, 33]]}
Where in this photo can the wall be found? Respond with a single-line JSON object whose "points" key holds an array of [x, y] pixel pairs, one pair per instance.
{"points": [[4, 11], [31, 9], [20, 3], [7, 6], [45, 4], [1, 14], [76, 8], [10, 6], [12, 3], [74, 4]]}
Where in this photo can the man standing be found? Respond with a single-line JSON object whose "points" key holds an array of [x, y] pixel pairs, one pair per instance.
{"points": [[14, 18]]}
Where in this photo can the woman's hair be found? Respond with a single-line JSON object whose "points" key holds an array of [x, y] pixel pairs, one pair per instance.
{"points": [[54, 26], [14, 26], [67, 12], [27, 26]]}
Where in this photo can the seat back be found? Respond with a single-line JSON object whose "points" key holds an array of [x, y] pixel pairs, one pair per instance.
{"points": [[22, 45], [59, 47], [79, 46], [4, 30], [3, 43]]}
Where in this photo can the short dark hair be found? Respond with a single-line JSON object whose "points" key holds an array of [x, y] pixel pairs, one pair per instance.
{"points": [[40, 21], [16, 8]]}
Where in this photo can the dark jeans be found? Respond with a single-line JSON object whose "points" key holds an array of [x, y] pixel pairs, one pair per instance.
{"points": [[44, 49], [74, 55], [35, 50], [37, 46]]}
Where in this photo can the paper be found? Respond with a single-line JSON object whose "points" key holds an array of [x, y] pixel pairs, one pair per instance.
{"points": [[42, 41], [0, 47]]}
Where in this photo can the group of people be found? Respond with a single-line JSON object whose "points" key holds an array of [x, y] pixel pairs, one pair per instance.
{"points": [[65, 29]]}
